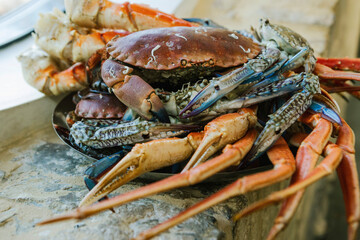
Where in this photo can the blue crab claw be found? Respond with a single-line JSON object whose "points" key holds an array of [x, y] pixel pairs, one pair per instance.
{"points": [[326, 112], [216, 90], [208, 92], [100, 167]]}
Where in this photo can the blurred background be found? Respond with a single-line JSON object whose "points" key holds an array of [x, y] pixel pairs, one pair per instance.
{"points": [[331, 26]]}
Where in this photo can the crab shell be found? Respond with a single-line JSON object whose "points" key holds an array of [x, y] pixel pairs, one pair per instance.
{"points": [[94, 105], [182, 47], [169, 57]]}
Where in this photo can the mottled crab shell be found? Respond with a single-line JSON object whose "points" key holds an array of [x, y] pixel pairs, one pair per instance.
{"points": [[180, 47]]}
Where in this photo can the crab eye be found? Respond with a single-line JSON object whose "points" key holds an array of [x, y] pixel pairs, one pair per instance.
{"points": [[183, 62], [217, 88], [211, 62]]}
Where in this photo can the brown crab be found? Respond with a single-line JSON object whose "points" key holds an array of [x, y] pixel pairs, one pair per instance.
{"points": [[169, 58]]}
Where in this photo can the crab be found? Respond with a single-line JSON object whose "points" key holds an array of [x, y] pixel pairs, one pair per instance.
{"points": [[280, 62]]}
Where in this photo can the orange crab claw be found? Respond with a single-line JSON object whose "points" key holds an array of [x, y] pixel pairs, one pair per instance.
{"points": [[219, 132], [143, 158]]}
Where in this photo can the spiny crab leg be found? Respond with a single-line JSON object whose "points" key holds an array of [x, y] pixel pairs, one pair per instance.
{"points": [[333, 156], [284, 117], [335, 153], [324, 69], [284, 165], [103, 133], [231, 155], [307, 155]]}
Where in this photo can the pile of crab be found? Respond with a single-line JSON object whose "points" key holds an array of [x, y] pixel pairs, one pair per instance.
{"points": [[228, 96]]}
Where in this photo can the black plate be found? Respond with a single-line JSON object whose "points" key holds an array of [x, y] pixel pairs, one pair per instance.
{"points": [[62, 130]]}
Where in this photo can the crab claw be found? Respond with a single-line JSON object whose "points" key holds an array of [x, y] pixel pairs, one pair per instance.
{"points": [[143, 158], [133, 91], [221, 131], [216, 90], [99, 168], [252, 71]]}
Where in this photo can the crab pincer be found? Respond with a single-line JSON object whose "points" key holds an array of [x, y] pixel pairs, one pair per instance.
{"points": [[141, 159], [133, 91]]}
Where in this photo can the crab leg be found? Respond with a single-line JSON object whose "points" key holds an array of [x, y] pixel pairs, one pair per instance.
{"points": [[306, 158], [41, 72], [333, 157], [103, 133], [339, 77], [349, 180], [349, 64], [284, 165], [335, 153], [325, 72], [129, 16]]}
